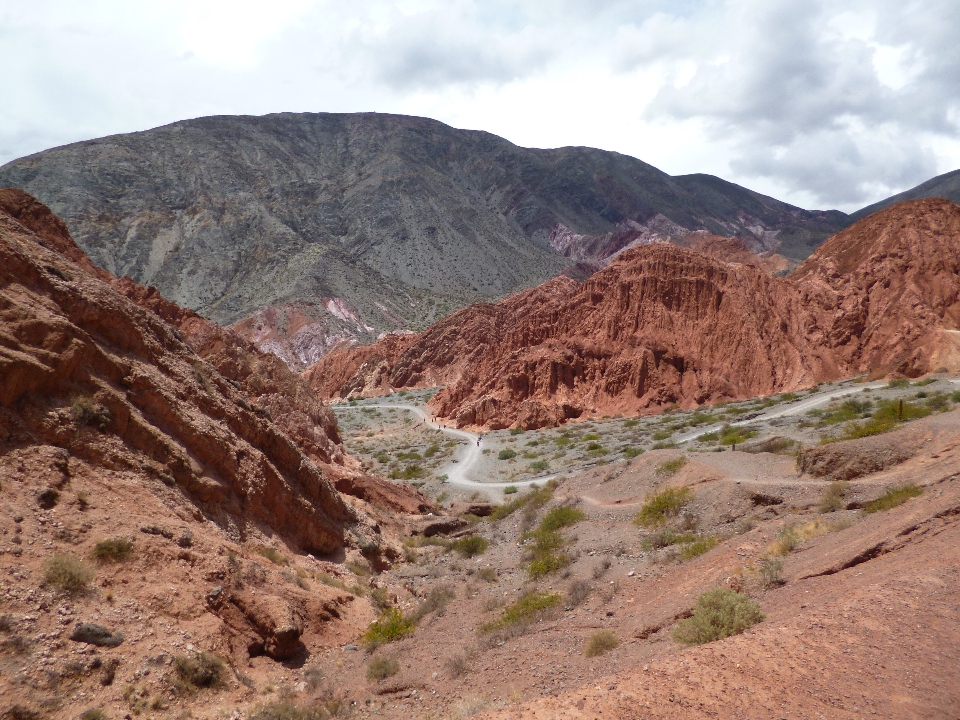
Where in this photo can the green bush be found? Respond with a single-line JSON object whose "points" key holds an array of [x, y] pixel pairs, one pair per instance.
{"points": [[516, 431], [93, 714], [664, 505], [410, 472], [390, 626], [893, 497], [380, 668], [201, 670], [630, 423], [507, 454], [112, 550], [537, 497], [527, 609], [601, 642], [510, 490], [67, 573], [561, 517], [539, 465], [671, 467], [730, 435], [718, 613], [630, 452], [699, 546], [898, 383], [470, 546]]}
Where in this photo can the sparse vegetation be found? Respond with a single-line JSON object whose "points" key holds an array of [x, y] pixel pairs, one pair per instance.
{"points": [[699, 546], [510, 490], [390, 626], [529, 608], [539, 465], [671, 467], [771, 571], [718, 613], [271, 554], [893, 497], [561, 517], [601, 642], [791, 536], [470, 546], [380, 668], [537, 497], [86, 411], [201, 670], [831, 499], [287, 709], [93, 714], [898, 383], [67, 573], [631, 452], [112, 550], [507, 454], [488, 574], [735, 435], [662, 506]]}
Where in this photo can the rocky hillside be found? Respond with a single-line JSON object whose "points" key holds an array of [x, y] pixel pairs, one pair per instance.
{"points": [[308, 229], [946, 187], [664, 325], [156, 475]]}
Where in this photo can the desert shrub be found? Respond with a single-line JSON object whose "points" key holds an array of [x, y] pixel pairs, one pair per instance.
{"points": [[630, 423], [460, 664], [380, 600], [380, 668], [93, 714], [671, 467], [730, 435], [775, 445], [410, 472], [271, 554], [86, 411], [409, 456], [661, 434], [201, 670], [470, 546], [436, 602], [561, 517], [527, 609], [663, 505], [791, 536], [67, 573], [718, 613], [831, 499], [488, 575], [596, 449], [699, 546], [893, 497], [432, 450], [578, 592], [510, 490], [898, 383], [601, 642], [847, 410], [287, 709], [507, 454], [600, 569], [771, 571], [666, 537], [548, 563], [112, 550], [516, 431], [537, 497], [331, 581], [390, 626], [539, 465], [709, 437], [562, 441]]}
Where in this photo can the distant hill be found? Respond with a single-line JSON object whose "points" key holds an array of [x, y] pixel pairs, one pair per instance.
{"points": [[315, 228], [946, 186]]}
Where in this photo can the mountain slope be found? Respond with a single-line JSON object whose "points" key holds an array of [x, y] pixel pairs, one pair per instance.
{"points": [[321, 227], [664, 324], [946, 186]]}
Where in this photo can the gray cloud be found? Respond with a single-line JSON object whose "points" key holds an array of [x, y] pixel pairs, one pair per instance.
{"points": [[838, 103], [796, 88]]}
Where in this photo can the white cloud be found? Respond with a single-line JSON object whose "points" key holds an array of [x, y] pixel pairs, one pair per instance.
{"points": [[824, 103]]}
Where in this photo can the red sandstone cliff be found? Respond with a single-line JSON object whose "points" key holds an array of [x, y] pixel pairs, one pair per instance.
{"points": [[664, 325]]}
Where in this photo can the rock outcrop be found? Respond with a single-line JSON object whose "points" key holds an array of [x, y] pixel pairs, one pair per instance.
{"points": [[96, 375], [664, 324]]}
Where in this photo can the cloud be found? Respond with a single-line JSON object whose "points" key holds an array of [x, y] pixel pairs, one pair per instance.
{"points": [[825, 102], [842, 100]]}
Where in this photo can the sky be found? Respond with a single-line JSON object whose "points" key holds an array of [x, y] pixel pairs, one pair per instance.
{"points": [[822, 103]]}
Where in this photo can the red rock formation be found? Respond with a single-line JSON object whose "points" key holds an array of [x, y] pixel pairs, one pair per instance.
{"points": [[664, 325], [888, 289]]}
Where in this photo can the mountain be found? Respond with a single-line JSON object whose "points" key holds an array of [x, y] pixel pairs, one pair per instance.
{"points": [[946, 186], [309, 229], [664, 325]]}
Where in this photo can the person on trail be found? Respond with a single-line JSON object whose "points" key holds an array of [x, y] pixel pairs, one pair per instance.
{"points": [[479, 438]]}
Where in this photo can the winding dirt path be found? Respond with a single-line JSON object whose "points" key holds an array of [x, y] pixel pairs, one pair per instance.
{"points": [[462, 471]]}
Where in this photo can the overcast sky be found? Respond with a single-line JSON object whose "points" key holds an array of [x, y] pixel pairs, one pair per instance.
{"points": [[824, 104]]}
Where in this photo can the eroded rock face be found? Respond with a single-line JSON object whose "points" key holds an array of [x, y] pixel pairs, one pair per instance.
{"points": [[888, 289], [89, 371], [664, 325]]}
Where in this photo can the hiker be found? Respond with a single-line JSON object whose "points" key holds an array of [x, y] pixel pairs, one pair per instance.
{"points": [[479, 438]]}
